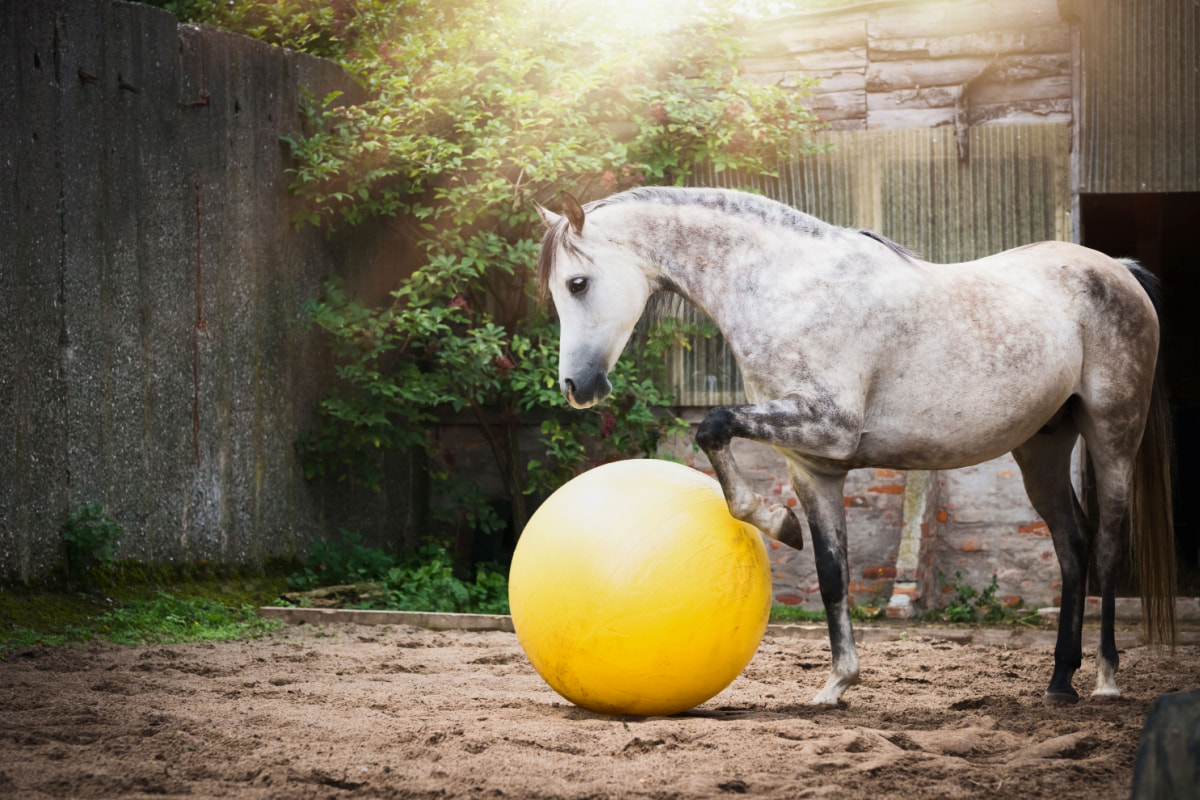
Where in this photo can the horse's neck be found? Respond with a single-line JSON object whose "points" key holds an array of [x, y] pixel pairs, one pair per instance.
{"points": [[708, 257]]}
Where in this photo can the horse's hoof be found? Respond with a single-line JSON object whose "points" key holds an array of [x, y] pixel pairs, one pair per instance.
{"points": [[1106, 695], [820, 703], [791, 533], [1060, 699]]}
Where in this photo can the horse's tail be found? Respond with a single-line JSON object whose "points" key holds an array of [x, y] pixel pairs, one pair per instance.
{"points": [[1152, 521]]}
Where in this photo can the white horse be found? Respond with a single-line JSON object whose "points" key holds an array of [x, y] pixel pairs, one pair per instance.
{"points": [[856, 353]]}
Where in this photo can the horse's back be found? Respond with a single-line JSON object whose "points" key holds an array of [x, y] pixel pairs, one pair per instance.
{"points": [[990, 350]]}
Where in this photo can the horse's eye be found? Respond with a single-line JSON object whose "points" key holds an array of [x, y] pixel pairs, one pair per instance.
{"points": [[577, 285]]}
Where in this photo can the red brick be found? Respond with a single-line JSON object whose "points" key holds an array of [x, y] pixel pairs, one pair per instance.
{"points": [[854, 501], [970, 547], [789, 599], [775, 545], [886, 473], [1035, 529], [942, 516], [877, 573], [887, 488]]}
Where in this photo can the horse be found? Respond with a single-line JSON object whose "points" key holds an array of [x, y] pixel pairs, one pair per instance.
{"points": [[855, 352]]}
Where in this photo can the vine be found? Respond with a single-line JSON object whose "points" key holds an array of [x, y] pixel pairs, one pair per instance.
{"points": [[477, 110]]}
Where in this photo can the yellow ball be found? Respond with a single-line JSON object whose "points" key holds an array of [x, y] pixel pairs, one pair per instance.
{"points": [[633, 590]]}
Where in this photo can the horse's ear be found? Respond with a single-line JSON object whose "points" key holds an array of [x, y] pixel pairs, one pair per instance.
{"points": [[574, 212], [548, 217]]}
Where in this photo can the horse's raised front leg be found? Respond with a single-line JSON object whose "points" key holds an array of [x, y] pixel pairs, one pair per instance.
{"points": [[776, 521], [815, 429], [801, 424]]}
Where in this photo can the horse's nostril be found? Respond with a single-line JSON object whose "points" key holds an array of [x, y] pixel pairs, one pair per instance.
{"points": [[570, 384]]}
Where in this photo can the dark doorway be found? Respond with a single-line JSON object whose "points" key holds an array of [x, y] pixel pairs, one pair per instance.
{"points": [[1162, 231]]}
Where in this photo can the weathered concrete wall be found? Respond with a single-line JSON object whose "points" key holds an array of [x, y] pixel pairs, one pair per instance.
{"points": [[152, 352]]}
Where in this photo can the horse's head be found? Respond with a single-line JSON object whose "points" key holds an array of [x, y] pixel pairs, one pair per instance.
{"points": [[599, 290]]}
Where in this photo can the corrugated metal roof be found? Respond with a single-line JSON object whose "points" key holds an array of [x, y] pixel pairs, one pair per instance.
{"points": [[1141, 95], [911, 186]]}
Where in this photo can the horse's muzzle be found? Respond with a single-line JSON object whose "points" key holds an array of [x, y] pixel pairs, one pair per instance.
{"points": [[587, 393]]}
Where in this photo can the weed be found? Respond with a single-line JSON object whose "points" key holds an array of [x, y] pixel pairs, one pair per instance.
{"points": [[125, 603], [972, 605], [343, 562], [781, 615], [91, 539], [424, 581], [166, 619]]}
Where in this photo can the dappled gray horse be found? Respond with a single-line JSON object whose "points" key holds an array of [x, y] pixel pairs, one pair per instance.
{"points": [[856, 353]]}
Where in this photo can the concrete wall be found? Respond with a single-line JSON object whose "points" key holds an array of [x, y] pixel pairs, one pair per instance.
{"points": [[152, 356]]}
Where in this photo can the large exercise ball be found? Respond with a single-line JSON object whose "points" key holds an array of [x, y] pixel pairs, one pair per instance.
{"points": [[633, 590]]}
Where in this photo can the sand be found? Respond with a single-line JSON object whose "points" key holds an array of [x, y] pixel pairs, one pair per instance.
{"points": [[365, 711]]}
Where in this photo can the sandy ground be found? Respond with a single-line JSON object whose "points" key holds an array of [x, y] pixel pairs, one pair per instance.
{"points": [[357, 711]]}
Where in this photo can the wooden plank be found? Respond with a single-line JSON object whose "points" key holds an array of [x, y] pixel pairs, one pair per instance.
{"points": [[789, 80], [841, 81], [1048, 39], [836, 34], [1019, 68], [422, 619], [956, 18], [1021, 112], [856, 124], [910, 118], [848, 59], [984, 92], [926, 97], [853, 102], [888, 76]]}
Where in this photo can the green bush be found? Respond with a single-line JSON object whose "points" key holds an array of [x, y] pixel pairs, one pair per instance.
{"points": [[91, 540], [343, 562], [477, 112], [972, 605], [427, 583], [423, 581], [474, 112]]}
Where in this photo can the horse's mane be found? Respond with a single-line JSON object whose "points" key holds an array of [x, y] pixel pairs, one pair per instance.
{"points": [[898, 249], [743, 204]]}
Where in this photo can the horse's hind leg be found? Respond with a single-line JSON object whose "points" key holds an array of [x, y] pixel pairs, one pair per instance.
{"points": [[1112, 451], [1045, 462]]}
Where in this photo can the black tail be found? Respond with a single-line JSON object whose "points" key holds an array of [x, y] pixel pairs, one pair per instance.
{"points": [[1152, 520]]}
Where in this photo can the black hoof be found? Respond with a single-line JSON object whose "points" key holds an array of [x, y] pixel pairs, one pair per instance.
{"points": [[791, 533], [1060, 698]]}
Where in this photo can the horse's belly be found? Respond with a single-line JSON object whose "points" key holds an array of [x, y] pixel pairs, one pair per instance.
{"points": [[950, 429]]}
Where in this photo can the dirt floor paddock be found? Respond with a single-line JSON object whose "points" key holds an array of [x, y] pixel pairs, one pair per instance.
{"points": [[364, 711]]}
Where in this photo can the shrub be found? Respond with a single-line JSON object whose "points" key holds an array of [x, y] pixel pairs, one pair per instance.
{"points": [[475, 111], [91, 540]]}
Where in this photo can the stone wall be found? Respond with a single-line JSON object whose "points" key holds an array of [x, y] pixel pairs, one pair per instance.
{"points": [[153, 356]]}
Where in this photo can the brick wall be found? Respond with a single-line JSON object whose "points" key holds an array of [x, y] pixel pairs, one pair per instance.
{"points": [[980, 523]]}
